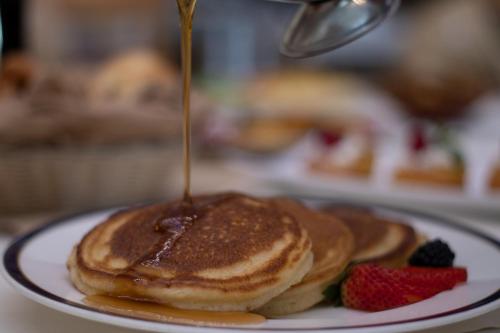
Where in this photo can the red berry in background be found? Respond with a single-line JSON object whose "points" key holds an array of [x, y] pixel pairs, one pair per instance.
{"points": [[330, 138], [418, 140], [371, 287]]}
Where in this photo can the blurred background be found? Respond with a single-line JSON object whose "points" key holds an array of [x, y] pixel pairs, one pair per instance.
{"points": [[90, 112]]}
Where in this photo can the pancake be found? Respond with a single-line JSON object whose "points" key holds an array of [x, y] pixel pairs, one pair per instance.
{"points": [[361, 166], [227, 252], [377, 240], [332, 246], [269, 135], [310, 95], [495, 179], [435, 176]]}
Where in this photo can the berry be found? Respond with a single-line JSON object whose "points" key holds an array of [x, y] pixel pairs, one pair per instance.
{"points": [[329, 138], [371, 287], [418, 140], [442, 277], [433, 254]]}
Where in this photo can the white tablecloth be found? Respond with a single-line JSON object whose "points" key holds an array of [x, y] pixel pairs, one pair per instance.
{"points": [[20, 315]]}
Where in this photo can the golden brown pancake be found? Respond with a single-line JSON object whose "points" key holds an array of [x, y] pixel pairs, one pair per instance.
{"points": [[377, 239], [437, 176], [283, 106], [361, 167], [314, 95], [235, 254], [495, 178], [332, 246], [367, 231], [269, 135]]}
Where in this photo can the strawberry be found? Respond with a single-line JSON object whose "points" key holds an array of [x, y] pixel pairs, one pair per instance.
{"points": [[418, 139], [371, 287], [436, 277], [330, 138]]}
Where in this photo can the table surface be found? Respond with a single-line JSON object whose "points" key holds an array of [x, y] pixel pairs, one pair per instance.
{"points": [[18, 314]]}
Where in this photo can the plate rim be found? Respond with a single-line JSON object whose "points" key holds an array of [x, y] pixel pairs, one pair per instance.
{"points": [[13, 273]]}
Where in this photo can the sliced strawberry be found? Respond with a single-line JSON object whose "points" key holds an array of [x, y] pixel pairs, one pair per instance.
{"points": [[438, 278], [374, 288]]}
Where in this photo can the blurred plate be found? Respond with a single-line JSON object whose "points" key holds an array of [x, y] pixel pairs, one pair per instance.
{"points": [[289, 170], [35, 265]]}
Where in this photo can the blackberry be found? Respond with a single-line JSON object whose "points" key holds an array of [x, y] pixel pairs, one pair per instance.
{"points": [[435, 253]]}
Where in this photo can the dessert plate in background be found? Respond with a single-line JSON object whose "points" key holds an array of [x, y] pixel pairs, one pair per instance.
{"points": [[35, 265], [290, 172]]}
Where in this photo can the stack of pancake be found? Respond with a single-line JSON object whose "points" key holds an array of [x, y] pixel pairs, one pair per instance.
{"points": [[232, 252], [378, 239]]}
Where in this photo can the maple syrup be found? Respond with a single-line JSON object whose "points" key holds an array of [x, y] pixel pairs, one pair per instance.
{"points": [[163, 313], [173, 223], [186, 14]]}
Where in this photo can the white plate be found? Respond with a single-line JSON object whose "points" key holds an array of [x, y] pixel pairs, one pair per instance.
{"points": [[290, 171], [35, 265]]}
